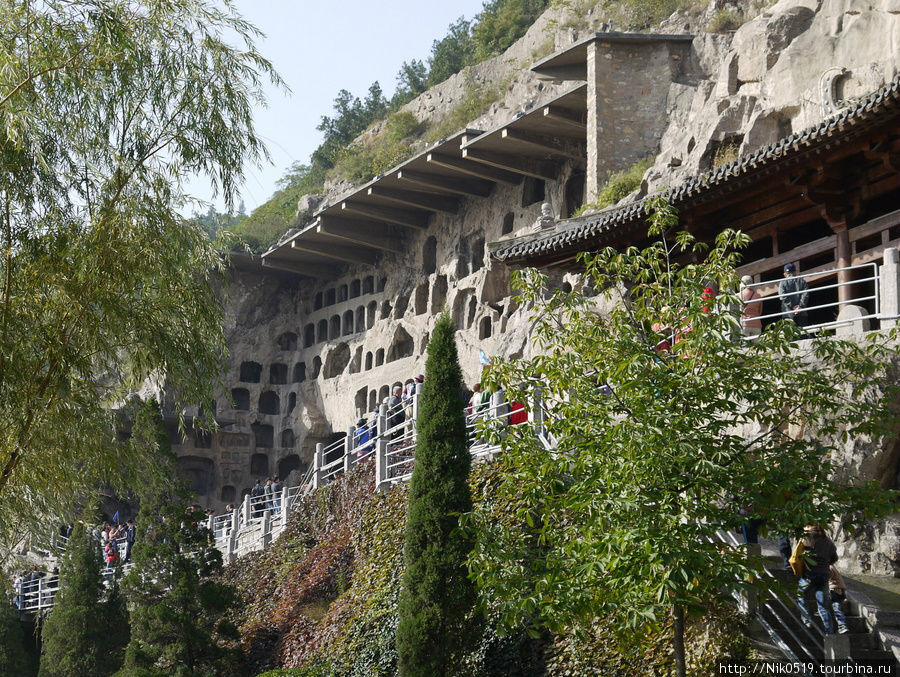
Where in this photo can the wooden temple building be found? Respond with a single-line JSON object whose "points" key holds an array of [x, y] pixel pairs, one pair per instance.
{"points": [[826, 199]]}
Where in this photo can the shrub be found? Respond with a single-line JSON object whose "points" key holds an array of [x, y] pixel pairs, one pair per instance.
{"points": [[475, 102], [501, 23], [87, 630], [619, 185], [363, 160], [724, 20], [14, 659]]}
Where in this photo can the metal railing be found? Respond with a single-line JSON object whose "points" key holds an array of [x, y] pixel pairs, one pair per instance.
{"points": [[865, 274]]}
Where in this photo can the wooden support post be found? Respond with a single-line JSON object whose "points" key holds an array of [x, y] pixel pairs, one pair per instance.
{"points": [[318, 462], [842, 258]]}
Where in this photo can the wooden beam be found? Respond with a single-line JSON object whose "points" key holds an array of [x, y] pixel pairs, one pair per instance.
{"points": [[554, 145], [338, 252], [475, 169], [538, 169], [413, 198], [313, 270], [409, 218], [452, 184], [566, 118], [366, 233]]}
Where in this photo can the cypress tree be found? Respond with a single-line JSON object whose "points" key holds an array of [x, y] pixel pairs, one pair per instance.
{"points": [[87, 630], [176, 608], [437, 593], [14, 659]]}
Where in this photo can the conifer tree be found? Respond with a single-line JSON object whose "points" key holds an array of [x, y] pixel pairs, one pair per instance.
{"points": [[176, 610], [87, 630], [14, 659], [437, 593]]}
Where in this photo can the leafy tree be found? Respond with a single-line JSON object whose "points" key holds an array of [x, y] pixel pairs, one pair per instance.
{"points": [[14, 659], [501, 23], [87, 630], [436, 593], [176, 608], [668, 427], [452, 53], [411, 81], [105, 106]]}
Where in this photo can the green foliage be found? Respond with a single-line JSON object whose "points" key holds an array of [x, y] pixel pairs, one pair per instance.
{"points": [[437, 594], [177, 607], [725, 20], [87, 630], [618, 186], [14, 659], [353, 634], [694, 432], [412, 80], [362, 160], [452, 53], [266, 223], [501, 23], [474, 103], [104, 106]]}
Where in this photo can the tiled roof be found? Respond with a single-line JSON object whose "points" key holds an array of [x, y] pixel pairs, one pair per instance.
{"points": [[871, 109]]}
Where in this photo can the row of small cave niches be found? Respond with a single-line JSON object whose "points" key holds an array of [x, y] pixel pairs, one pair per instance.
{"points": [[336, 361], [345, 292]]}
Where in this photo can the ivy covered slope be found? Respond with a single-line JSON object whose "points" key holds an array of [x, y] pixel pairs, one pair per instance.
{"points": [[323, 600]]}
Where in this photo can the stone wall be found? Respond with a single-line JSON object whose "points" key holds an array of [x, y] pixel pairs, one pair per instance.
{"points": [[307, 357]]}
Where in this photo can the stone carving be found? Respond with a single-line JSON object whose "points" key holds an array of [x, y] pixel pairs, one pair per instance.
{"points": [[827, 89], [546, 220]]}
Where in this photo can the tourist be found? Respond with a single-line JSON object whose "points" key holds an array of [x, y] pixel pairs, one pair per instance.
{"points": [[751, 308], [474, 405], [276, 494], [838, 590], [361, 438], [269, 501], [18, 586], [395, 410], [819, 553], [256, 498], [794, 294], [130, 535]]}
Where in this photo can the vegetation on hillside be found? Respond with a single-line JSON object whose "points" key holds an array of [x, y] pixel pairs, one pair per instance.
{"points": [[618, 186], [337, 570], [339, 156]]}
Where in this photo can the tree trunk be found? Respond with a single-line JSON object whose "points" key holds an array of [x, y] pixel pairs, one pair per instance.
{"points": [[678, 639]]}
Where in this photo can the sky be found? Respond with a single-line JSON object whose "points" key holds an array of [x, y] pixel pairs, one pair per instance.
{"points": [[320, 48]]}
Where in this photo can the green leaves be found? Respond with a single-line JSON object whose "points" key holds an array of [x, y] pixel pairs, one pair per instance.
{"points": [[104, 107], [669, 427]]}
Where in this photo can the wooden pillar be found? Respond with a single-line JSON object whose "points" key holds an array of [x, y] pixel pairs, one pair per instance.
{"points": [[842, 260]]}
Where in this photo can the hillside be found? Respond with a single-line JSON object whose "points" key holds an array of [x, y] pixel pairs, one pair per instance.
{"points": [[323, 600]]}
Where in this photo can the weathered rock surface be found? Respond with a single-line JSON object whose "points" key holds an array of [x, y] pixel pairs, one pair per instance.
{"points": [[308, 357]]}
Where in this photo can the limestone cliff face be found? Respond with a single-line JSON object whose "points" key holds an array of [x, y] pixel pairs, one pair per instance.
{"points": [[308, 356], [781, 72]]}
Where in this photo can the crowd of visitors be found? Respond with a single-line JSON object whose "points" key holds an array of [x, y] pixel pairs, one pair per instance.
{"points": [[265, 497]]}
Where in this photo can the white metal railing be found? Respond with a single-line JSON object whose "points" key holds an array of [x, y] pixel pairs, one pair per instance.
{"points": [[390, 438], [867, 274]]}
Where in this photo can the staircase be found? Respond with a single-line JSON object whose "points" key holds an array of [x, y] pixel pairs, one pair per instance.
{"points": [[776, 611]]}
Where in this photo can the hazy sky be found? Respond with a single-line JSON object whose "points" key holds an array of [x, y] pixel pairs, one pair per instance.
{"points": [[322, 47]]}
